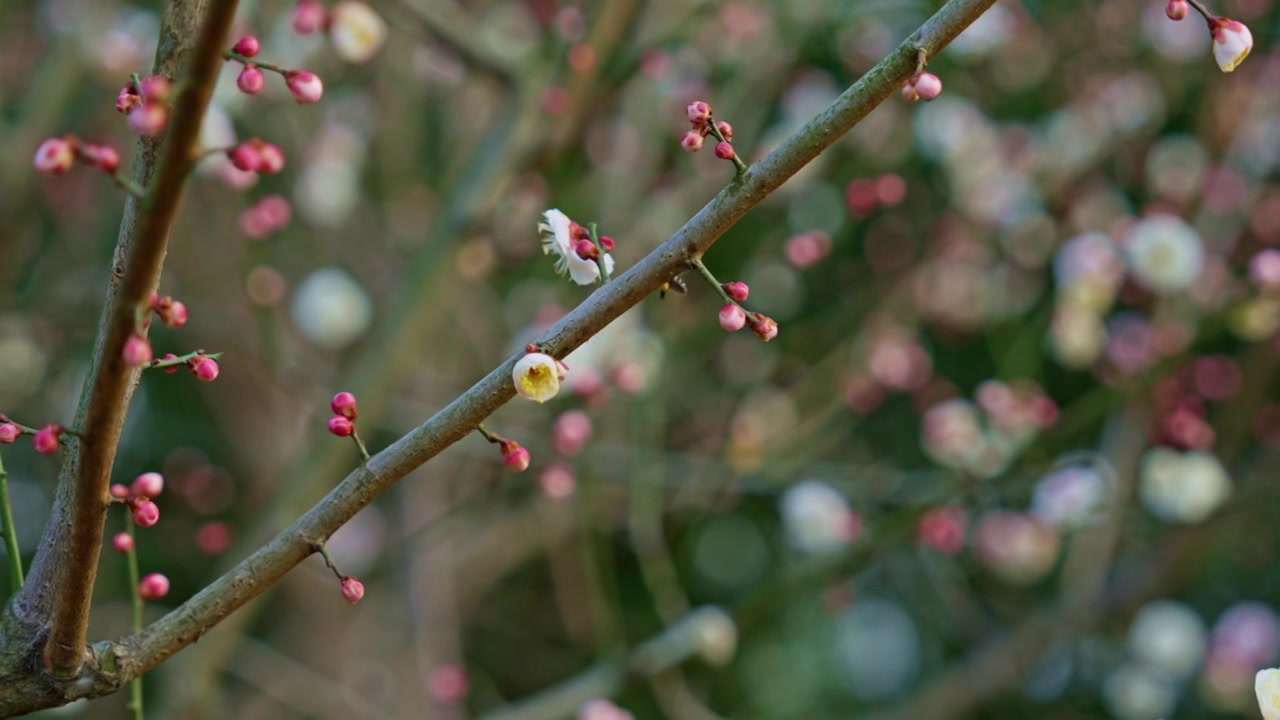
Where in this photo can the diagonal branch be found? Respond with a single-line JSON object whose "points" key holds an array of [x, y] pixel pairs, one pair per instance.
{"points": [[143, 651], [65, 567]]}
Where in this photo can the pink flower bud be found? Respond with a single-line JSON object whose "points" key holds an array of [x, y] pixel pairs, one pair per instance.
{"points": [[1264, 269], [205, 368], [571, 432], [305, 86], [251, 80], [9, 433], [171, 369], [54, 155], [122, 542], [724, 151], [691, 141], [344, 404], [148, 118], [514, 456], [607, 243], [909, 92], [213, 538], [155, 88], [270, 158], [153, 587], [557, 481], [145, 512], [765, 328], [352, 590], [119, 492], [341, 426], [1177, 9], [449, 683], [245, 156], [726, 130], [275, 210], [943, 529], [149, 484], [137, 351], [698, 112], [247, 46], [128, 98], [309, 17], [737, 290], [104, 156], [177, 315], [46, 441], [586, 250], [732, 317], [928, 86]]}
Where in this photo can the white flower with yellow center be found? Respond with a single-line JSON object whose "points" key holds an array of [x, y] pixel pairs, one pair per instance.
{"points": [[557, 239], [537, 376], [357, 31], [1165, 253]]}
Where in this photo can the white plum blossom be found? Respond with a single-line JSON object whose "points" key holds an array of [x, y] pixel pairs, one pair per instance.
{"points": [[356, 30], [1165, 253], [1232, 42], [557, 239], [1182, 487], [816, 516], [1267, 686], [1140, 692], [1169, 635], [537, 376], [1071, 496], [331, 308]]}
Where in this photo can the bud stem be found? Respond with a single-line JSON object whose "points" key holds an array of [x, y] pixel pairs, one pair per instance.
{"points": [[1204, 12], [328, 560], [489, 434], [10, 534], [711, 280], [595, 240], [131, 559], [737, 160], [254, 62], [170, 362]]}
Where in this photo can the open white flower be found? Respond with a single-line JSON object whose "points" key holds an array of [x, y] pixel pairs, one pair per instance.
{"points": [[1182, 487], [1232, 42], [537, 376], [557, 238]]}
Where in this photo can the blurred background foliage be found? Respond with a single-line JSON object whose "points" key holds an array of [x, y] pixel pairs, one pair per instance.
{"points": [[1010, 456]]}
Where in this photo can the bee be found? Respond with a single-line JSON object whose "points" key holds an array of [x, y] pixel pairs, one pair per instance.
{"points": [[676, 284]]}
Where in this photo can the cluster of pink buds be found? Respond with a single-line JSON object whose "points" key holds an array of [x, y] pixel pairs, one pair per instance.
{"points": [[733, 317], [922, 86], [202, 366], [268, 215], [305, 86], [704, 124], [580, 237], [146, 102], [343, 422], [57, 155], [139, 497], [255, 155], [172, 313], [46, 441]]}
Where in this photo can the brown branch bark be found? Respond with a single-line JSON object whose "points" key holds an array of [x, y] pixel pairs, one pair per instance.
{"points": [[65, 567], [123, 660]]}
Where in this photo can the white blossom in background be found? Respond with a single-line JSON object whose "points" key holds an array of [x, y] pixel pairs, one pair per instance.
{"points": [[1019, 548], [356, 30], [816, 517], [1169, 635], [877, 645], [1072, 496], [328, 189], [1140, 692], [331, 308], [1267, 687], [1165, 254], [1077, 336], [1182, 487], [557, 239]]}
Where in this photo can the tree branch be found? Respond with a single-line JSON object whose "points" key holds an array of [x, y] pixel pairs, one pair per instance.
{"points": [[139, 653], [65, 567]]}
